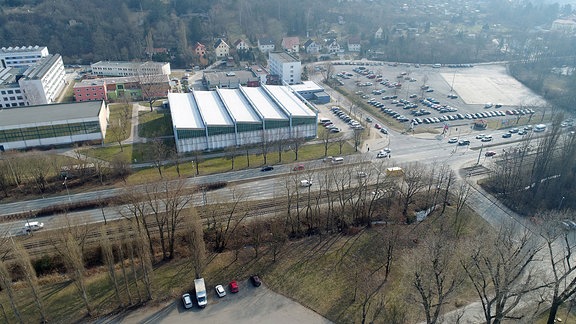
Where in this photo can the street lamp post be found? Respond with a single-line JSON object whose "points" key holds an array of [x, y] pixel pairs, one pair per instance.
{"points": [[66, 185], [560, 204]]}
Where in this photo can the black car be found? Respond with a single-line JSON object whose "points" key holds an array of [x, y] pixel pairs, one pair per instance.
{"points": [[267, 168], [255, 279]]}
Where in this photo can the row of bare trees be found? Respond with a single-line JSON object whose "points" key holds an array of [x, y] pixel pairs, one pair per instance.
{"points": [[538, 172]]}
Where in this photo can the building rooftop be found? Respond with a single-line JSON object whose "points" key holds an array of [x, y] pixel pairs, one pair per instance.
{"points": [[89, 82], [185, 113], [263, 103], [290, 102], [22, 116], [238, 106], [39, 70], [212, 109], [283, 57], [22, 49], [8, 77], [306, 86], [241, 76]]}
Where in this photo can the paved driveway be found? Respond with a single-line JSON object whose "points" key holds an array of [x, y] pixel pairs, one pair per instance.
{"points": [[250, 305]]}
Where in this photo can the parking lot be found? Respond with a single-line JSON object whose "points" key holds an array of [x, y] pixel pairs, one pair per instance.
{"points": [[249, 305], [415, 96]]}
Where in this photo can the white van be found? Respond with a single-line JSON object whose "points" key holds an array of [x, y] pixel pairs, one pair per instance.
{"points": [[338, 160], [305, 183], [540, 128]]}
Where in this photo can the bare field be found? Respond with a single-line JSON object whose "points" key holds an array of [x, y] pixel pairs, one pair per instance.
{"points": [[491, 83]]}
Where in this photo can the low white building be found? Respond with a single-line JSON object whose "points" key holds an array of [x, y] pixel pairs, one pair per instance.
{"points": [[24, 56], [209, 120], [286, 66], [38, 84], [53, 125], [116, 68]]}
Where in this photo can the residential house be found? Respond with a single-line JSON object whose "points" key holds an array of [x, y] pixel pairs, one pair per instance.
{"points": [[199, 49], [221, 49], [379, 33], [291, 44], [354, 44], [266, 45], [240, 45], [332, 46], [311, 47]]}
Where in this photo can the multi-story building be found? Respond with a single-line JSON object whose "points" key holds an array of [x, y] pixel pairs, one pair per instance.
{"points": [[286, 66], [90, 90], [43, 82], [132, 87], [38, 84], [20, 57], [120, 69]]}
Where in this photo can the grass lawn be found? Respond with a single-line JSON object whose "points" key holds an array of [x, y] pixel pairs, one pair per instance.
{"points": [[116, 118], [154, 124], [223, 164]]}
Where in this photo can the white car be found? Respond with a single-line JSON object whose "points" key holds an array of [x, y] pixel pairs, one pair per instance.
{"points": [[453, 140], [187, 300], [33, 226], [220, 291], [480, 136], [486, 138], [381, 154]]}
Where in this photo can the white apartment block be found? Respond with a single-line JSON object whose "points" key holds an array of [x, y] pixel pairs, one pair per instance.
{"points": [[19, 57], [39, 84], [121, 69], [286, 66]]}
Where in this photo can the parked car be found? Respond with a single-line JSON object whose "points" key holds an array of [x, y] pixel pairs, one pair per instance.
{"points": [[480, 136], [255, 280], [383, 131], [506, 135], [267, 168], [489, 153], [377, 126], [187, 301], [382, 154], [220, 291], [453, 140], [233, 286], [486, 138], [513, 130]]}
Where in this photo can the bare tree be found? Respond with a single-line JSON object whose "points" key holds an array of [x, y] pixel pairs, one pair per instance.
{"points": [[160, 152], [415, 178], [501, 270], [69, 247], [108, 255], [435, 273], [22, 259], [196, 244], [153, 86], [6, 284], [560, 248], [327, 138], [224, 218]]}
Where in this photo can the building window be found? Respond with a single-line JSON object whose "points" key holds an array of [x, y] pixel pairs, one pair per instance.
{"points": [[10, 91], [3, 92]]}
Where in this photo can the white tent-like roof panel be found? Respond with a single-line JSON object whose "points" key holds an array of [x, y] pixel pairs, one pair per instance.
{"points": [[290, 102], [238, 106], [185, 113], [264, 104], [211, 108]]}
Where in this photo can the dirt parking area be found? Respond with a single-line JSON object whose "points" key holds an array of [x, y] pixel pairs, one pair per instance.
{"points": [[490, 83], [250, 305]]}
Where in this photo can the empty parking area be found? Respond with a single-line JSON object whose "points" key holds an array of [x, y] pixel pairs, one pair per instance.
{"points": [[490, 83]]}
